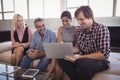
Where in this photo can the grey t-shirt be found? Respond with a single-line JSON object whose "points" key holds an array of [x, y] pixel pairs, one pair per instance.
{"points": [[68, 34]]}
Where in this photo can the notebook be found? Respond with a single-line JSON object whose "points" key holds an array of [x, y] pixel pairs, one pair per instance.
{"points": [[58, 50]]}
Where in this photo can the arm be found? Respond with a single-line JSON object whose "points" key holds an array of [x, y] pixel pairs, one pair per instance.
{"points": [[103, 42], [32, 44], [59, 39], [76, 33], [96, 55], [12, 38], [53, 37], [25, 45], [35, 54], [14, 43]]}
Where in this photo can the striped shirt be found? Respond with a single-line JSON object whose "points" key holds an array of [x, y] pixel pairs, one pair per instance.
{"points": [[94, 40]]}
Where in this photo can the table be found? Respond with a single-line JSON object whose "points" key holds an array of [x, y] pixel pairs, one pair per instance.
{"points": [[17, 75]]}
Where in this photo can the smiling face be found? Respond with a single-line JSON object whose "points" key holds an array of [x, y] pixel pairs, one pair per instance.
{"points": [[66, 21], [20, 22], [40, 26], [84, 22]]}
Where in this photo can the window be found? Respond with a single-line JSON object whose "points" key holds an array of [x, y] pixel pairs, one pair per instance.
{"points": [[31, 9], [8, 6], [118, 8], [8, 15], [36, 8], [0, 11], [76, 3], [51, 8], [101, 8], [21, 8], [72, 5], [72, 11], [8, 9], [0, 6]]}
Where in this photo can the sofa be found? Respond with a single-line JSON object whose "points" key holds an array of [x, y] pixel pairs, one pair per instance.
{"points": [[5, 52], [113, 73]]}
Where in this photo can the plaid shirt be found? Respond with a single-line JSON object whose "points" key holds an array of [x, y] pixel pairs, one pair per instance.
{"points": [[97, 39]]}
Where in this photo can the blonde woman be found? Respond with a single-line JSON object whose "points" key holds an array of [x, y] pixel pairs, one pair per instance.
{"points": [[21, 37]]}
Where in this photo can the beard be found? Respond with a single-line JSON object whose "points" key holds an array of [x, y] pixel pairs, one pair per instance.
{"points": [[42, 32]]}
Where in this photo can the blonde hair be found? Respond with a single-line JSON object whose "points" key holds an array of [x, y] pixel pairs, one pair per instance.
{"points": [[14, 21]]}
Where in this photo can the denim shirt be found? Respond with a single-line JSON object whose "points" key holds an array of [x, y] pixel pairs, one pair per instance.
{"points": [[37, 40]]}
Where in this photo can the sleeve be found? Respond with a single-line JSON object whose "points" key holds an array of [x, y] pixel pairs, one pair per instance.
{"points": [[27, 44], [53, 37], [12, 36], [33, 42], [104, 42]]}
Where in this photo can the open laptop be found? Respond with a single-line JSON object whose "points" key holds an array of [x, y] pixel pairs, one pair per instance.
{"points": [[58, 50]]}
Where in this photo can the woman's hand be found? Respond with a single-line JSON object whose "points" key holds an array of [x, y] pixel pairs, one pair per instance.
{"points": [[17, 44]]}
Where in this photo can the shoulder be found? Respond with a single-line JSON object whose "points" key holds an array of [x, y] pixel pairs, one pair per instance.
{"points": [[35, 33], [29, 29], [12, 30], [104, 27], [60, 28], [50, 31], [101, 27], [75, 28], [98, 25]]}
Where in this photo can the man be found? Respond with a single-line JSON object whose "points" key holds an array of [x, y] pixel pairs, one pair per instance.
{"points": [[36, 50], [94, 47]]}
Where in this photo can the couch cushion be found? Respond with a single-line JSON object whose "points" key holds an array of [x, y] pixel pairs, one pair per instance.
{"points": [[4, 46], [5, 56], [35, 63], [102, 76], [114, 64], [114, 69]]}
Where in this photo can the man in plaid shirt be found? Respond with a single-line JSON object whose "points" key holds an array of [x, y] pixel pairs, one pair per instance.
{"points": [[93, 45]]}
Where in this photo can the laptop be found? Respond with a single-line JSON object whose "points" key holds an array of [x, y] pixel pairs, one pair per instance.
{"points": [[58, 50]]}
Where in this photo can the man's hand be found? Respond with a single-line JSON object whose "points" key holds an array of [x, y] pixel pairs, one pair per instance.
{"points": [[33, 54], [73, 58], [75, 49]]}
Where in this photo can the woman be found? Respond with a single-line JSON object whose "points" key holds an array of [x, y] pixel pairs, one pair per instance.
{"points": [[66, 33], [21, 37]]}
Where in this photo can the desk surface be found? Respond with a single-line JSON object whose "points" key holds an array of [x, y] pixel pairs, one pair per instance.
{"points": [[17, 75]]}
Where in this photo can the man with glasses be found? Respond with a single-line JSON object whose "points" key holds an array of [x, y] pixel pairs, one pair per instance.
{"points": [[36, 51]]}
